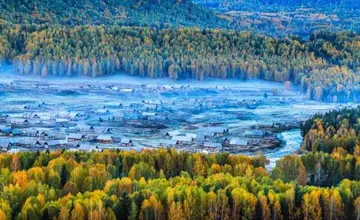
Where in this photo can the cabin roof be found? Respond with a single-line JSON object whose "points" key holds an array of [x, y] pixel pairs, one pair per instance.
{"points": [[60, 120], [75, 136], [213, 145], [149, 114], [19, 121], [84, 127], [56, 142], [88, 147], [74, 114], [193, 136], [27, 141], [173, 133], [118, 114], [104, 137], [213, 129], [168, 142], [126, 140], [238, 141], [182, 138]]}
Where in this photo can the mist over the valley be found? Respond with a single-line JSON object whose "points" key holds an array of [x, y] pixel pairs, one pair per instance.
{"points": [[144, 110]]}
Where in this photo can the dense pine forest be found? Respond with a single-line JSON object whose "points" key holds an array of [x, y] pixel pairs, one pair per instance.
{"points": [[333, 140], [166, 184], [106, 37], [325, 66], [336, 128]]}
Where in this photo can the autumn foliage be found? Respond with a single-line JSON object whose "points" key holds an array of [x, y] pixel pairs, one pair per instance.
{"points": [[166, 184]]}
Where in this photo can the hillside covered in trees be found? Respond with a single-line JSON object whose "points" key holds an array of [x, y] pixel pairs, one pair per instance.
{"points": [[108, 12], [333, 129], [174, 39], [332, 143], [325, 66], [289, 17], [166, 184]]}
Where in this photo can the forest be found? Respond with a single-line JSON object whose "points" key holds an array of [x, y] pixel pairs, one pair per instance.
{"points": [[180, 40], [166, 184], [332, 129], [322, 182], [289, 17], [171, 38], [164, 13], [324, 66]]}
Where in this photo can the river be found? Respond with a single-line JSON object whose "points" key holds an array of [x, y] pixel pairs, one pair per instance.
{"points": [[292, 141]]}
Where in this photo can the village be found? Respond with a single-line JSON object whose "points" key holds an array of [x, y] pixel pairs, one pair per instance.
{"points": [[36, 115]]}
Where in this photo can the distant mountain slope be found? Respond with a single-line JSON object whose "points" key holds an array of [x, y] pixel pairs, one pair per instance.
{"points": [[289, 17], [109, 12], [238, 4]]}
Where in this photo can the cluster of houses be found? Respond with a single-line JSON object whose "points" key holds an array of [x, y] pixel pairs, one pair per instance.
{"points": [[122, 118], [210, 139], [48, 126]]}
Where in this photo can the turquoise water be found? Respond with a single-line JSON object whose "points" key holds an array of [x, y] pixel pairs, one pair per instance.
{"points": [[292, 142]]}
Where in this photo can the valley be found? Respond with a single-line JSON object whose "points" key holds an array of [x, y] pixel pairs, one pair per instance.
{"points": [[210, 116]]}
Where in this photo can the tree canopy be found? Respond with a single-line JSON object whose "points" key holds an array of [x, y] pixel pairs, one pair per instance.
{"points": [[166, 184]]}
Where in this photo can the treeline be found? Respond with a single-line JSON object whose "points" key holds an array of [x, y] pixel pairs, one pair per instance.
{"points": [[325, 65], [319, 168], [165, 184], [326, 132], [108, 12], [332, 140]]}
